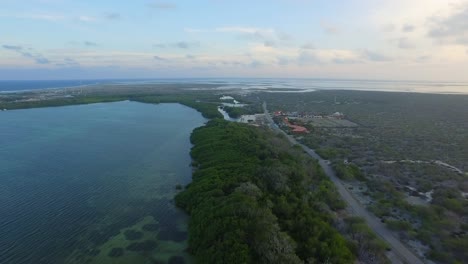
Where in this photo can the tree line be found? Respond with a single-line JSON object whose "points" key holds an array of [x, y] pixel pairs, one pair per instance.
{"points": [[254, 199]]}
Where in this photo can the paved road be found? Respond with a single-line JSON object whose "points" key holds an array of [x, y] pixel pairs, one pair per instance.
{"points": [[400, 253]]}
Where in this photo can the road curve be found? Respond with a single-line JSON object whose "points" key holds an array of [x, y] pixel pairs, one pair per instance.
{"points": [[401, 253]]}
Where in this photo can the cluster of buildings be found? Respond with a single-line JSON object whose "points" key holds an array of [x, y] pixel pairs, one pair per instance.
{"points": [[258, 119], [295, 128], [293, 115]]}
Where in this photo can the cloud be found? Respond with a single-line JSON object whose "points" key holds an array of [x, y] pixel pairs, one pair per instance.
{"points": [[41, 60], [423, 59], [452, 29], [308, 46], [374, 56], [388, 28], [307, 57], [158, 58], [113, 16], [177, 45], [407, 28], [12, 47], [162, 5], [250, 30], [330, 29], [255, 64], [284, 36], [253, 33], [44, 17], [90, 44], [283, 61], [196, 30], [184, 45], [346, 61], [269, 43], [87, 19], [404, 43], [68, 62], [268, 36], [80, 44], [38, 58]]}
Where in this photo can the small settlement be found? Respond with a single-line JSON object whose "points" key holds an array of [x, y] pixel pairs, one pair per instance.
{"points": [[254, 120], [295, 128], [316, 120], [257, 119]]}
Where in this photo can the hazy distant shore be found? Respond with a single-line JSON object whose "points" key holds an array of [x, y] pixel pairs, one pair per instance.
{"points": [[271, 85]]}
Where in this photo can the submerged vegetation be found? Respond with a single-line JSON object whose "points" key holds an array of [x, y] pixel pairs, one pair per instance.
{"points": [[254, 199]]}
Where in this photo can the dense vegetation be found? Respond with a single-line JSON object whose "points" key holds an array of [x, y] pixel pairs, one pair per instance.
{"points": [[205, 104], [207, 109], [348, 171], [392, 152], [235, 112], [254, 199], [249, 109]]}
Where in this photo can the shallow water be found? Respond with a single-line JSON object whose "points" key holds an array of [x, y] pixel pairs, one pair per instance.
{"points": [[94, 183], [259, 84]]}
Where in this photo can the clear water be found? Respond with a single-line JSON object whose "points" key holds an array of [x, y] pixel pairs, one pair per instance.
{"points": [[78, 183]]}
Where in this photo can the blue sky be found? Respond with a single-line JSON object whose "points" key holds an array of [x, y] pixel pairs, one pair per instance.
{"points": [[369, 39]]}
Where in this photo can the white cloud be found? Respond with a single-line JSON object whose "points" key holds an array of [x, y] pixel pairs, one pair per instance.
{"points": [[330, 28], [162, 5], [195, 30], [86, 19], [39, 16], [249, 30], [405, 43], [308, 45], [452, 28]]}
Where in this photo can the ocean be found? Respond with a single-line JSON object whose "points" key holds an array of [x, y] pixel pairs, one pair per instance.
{"points": [[261, 84]]}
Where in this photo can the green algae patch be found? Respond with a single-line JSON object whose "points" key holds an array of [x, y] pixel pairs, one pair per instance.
{"points": [[168, 249], [133, 235], [151, 227], [114, 249], [140, 243], [116, 252], [147, 245]]}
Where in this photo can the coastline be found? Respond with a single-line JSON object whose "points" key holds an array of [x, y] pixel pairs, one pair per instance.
{"points": [[263, 84]]}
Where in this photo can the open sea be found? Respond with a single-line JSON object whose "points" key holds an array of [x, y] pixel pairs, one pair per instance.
{"points": [[94, 183], [258, 84]]}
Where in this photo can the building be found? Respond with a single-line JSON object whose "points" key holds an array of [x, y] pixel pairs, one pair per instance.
{"points": [[258, 119], [278, 113], [338, 115], [248, 119], [294, 128]]}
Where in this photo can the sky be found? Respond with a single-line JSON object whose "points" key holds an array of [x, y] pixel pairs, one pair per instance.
{"points": [[350, 39]]}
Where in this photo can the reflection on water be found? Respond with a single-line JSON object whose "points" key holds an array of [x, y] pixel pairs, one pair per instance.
{"points": [[94, 183]]}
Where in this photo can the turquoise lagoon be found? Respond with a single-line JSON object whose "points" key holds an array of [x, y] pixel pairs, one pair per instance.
{"points": [[94, 183]]}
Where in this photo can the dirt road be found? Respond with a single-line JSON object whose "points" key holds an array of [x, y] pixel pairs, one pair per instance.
{"points": [[400, 253]]}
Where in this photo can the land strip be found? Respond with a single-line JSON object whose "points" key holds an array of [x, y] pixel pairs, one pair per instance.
{"points": [[402, 253]]}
